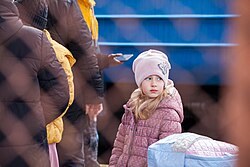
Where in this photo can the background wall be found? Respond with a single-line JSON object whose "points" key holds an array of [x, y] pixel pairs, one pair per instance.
{"points": [[196, 37]]}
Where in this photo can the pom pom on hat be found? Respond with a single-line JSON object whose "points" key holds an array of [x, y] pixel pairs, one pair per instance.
{"points": [[151, 62]]}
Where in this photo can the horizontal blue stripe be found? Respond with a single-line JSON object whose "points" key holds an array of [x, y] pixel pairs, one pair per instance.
{"points": [[126, 16], [168, 44]]}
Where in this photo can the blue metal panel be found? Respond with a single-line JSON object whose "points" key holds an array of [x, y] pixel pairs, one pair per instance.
{"points": [[194, 33], [163, 7], [169, 30]]}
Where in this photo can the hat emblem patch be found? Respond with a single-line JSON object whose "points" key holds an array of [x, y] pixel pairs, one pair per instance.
{"points": [[163, 67]]}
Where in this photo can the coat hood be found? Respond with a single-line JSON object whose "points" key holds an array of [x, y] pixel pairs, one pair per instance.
{"points": [[9, 20], [173, 101]]}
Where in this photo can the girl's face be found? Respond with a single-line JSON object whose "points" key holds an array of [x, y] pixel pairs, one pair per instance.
{"points": [[152, 86]]}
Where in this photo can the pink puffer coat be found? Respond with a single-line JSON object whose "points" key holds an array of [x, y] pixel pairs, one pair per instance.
{"points": [[133, 138]]}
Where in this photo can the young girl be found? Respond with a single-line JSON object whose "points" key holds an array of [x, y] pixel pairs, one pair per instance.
{"points": [[153, 111]]}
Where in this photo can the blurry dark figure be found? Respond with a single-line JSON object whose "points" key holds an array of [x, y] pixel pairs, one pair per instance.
{"points": [[237, 105], [35, 13], [67, 26], [27, 64]]}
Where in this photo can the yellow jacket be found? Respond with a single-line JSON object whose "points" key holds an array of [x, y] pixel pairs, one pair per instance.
{"points": [[66, 59], [87, 9]]}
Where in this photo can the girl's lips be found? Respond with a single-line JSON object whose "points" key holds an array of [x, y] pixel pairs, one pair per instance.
{"points": [[153, 91]]}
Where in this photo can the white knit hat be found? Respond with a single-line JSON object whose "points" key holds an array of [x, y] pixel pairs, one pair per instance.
{"points": [[151, 62]]}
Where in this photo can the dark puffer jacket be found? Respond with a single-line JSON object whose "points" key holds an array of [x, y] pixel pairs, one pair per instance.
{"points": [[27, 63], [68, 27]]}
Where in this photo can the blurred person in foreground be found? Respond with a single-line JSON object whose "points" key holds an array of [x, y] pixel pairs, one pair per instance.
{"points": [[153, 111], [30, 74], [104, 61], [237, 95], [34, 13], [68, 27]]}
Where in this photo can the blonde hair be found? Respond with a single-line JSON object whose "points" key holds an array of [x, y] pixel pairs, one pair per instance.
{"points": [[143, 106]]}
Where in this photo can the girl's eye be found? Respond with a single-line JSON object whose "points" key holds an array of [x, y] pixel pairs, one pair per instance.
{"points": [[148, 78], [159, 78]]}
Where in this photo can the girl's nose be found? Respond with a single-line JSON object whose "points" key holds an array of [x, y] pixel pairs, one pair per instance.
{"points": [[153, 82]]}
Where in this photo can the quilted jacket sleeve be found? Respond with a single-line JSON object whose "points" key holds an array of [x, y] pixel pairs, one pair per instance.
{"points": [[53, 82], [118, 143]]}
